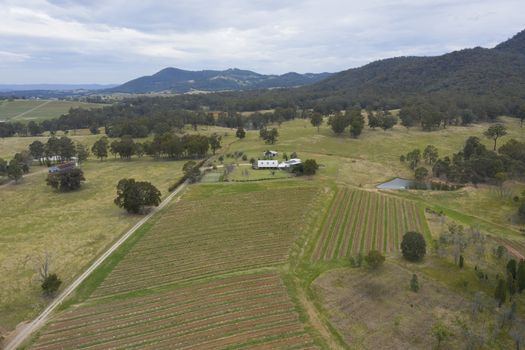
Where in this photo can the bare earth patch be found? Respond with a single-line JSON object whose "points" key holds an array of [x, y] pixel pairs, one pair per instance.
{"points": [[377, 309]]}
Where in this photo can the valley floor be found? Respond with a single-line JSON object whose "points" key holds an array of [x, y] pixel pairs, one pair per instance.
{"points": [[261, 264]]}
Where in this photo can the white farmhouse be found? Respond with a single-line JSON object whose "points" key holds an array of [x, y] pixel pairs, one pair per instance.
{"points": [[266, 164], [289, 163]]}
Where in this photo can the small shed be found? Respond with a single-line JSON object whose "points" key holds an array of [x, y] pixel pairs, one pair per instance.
{"points": [[266, 164], [271, 154]]}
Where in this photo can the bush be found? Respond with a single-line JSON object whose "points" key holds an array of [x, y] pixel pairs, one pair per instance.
{"points": [[357, 261], [244, 157], [421, 173], [51, 284], [66, 181], [310, 167], [414, 283], [374, 259], [413, 246], [135, 195]]}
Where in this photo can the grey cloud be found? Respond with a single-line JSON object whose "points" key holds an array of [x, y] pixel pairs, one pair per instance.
{"points": [[58, 41]]}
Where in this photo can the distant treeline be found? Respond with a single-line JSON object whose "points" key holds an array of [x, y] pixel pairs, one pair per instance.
{"points": [[141, 116]]}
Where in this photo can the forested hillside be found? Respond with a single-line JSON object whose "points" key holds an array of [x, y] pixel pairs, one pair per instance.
{"points": [[476, 73], [180, 81]]}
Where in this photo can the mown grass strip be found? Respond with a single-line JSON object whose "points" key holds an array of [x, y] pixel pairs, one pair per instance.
{"points": [[361, 220], [386, 234], [343, 211], [397, 227], [334, 225], [354, 221], [366, 220], [370, 222], [342, 229], [325, 226]]}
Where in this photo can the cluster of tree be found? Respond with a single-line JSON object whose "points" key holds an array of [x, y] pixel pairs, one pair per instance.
{"points": [[134, 196], [192, 171], [374, 259], [15, 168], [269, 136], [455, 241], [309, 167], [352, 118], [477, 164], [381, 119], [139, 117], [413, 158], [62, 148], [66, 180], [513, 283], [166, 145]]}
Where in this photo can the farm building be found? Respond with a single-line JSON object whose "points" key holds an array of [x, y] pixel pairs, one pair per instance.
{"points": [[289, 163], [266, 164], [59, 168], [270, 154]]}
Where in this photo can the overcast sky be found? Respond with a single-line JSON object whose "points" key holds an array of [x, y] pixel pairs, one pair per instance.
{"points": [[112, 41]]}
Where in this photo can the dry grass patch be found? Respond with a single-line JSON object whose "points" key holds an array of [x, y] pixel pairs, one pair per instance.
{"points": [[377, 310]]}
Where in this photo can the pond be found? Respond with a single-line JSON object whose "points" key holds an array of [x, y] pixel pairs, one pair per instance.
{"points": [[404, 184], [397, 184]]}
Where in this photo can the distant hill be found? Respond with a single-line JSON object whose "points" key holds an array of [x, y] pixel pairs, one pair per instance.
{"points": [[53, 87], [182, 81], [477, 72]]}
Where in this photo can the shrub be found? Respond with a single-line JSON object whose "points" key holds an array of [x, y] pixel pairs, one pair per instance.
{"points": [[51, 284], [374, 259], [414, 283], [66, 181], [135, 195], [413, 246], [310, 167], [421, 173]]}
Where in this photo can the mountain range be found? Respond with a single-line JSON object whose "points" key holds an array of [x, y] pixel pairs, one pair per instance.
{"points": [[477, 72], [182, 81], [498, 73]]}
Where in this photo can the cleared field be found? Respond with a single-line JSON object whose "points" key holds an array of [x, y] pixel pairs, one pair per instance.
{"points": [[25, 110], [200, 237], [247, 311], [73, 227], [377, 309], [359, 221]]}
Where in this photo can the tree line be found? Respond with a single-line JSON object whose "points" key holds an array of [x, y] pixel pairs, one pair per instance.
{"points": [[141, 117], [474, 163], [167, 145]]}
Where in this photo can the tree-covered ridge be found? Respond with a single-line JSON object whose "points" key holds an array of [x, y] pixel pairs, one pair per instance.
{"points": [[179, 80], [466, 74]]}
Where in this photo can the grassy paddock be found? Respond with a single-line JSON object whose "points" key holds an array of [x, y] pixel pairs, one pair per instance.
{"points": [[377, 309], [74, 227], [38, 110]]}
